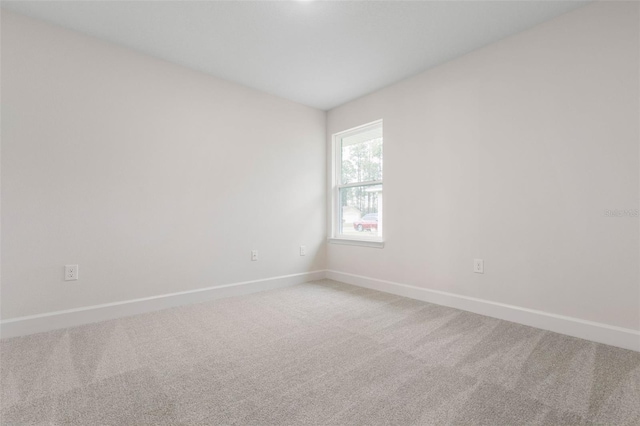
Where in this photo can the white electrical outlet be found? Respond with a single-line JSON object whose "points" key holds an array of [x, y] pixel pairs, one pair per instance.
{"points": [[254, 255], [303, 250], [70, 272], [478, 266]]}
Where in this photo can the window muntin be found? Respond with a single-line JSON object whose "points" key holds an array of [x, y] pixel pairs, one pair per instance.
{"points": [[357, 194]]}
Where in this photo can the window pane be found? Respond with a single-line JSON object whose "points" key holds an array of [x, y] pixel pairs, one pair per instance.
{"points": [[361, 156], [361, 211]]}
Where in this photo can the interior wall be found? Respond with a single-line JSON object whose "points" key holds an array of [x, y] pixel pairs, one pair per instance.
{"points": [[514, 154], [153, 178]]}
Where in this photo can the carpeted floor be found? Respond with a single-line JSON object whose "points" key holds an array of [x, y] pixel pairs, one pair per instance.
{"points": [[320, 353]]}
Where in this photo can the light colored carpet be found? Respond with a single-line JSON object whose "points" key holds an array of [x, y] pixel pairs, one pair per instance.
{"points": [[318, 353]]}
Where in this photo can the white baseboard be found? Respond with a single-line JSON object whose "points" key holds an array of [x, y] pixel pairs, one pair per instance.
{"points": [[588, 330], [597, 332], [21, 326]]}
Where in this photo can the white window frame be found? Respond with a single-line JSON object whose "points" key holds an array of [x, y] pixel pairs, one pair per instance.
{"points": [[336, 186]]}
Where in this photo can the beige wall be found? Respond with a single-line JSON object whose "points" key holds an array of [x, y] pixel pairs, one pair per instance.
{"points": [[153, 178], [512, 154]]}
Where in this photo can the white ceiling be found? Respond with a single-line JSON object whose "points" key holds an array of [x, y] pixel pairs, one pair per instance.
{"points": [[318, 53]]}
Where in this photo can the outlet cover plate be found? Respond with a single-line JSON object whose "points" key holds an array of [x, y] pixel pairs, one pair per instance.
{"points": [[70, 272]]}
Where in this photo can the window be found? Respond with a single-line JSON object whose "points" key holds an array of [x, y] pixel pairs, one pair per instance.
{"points": [[357, 185]]}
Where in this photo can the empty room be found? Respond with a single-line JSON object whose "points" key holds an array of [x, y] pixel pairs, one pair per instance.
{"points": [[320, 212]]}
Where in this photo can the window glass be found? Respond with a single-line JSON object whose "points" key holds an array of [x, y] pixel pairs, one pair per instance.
{"points": [[357, 193], [361, 156]]}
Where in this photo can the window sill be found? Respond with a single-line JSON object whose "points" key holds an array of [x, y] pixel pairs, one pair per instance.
{"points": [[362, 243]]}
